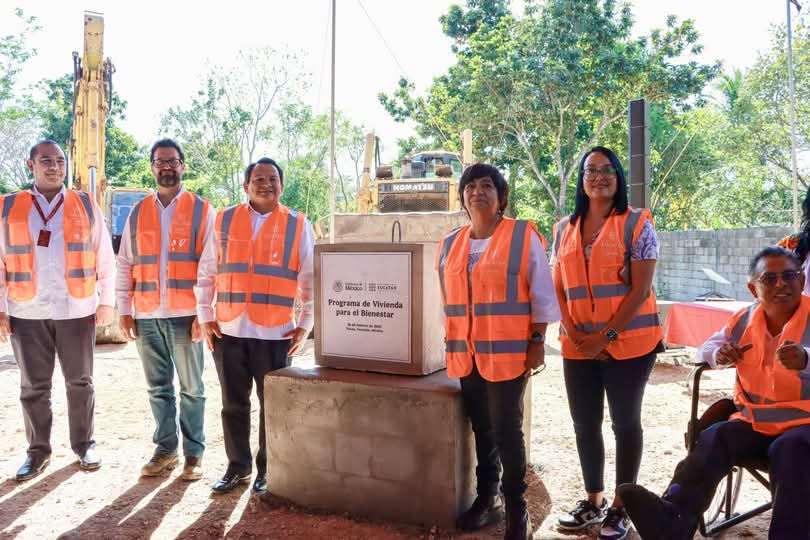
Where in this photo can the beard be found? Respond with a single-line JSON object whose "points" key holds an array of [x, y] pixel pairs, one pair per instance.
{"points": [[168, 179]]}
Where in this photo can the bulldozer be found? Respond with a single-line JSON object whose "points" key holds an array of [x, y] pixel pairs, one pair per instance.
{"points": [[92, 99], [428, 181]]}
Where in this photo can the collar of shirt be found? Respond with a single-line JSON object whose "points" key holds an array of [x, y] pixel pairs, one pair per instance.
{"points": [[257, 213], [48, 204], [173, 201]]}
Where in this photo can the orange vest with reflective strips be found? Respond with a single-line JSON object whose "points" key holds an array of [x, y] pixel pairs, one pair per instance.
{"points": [[595, 293], [80, 255], [492, 325], [259, 275], [769, 396], [184, 250]]}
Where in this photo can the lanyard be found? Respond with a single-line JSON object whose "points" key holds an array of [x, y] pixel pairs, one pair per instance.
{"points": [[53, 212]]}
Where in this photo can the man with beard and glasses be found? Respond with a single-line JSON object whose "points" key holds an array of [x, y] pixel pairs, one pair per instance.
{"points": [[160, 249], [57, 271], [258, 262]]}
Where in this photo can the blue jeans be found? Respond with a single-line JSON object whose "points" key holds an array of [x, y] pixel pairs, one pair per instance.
{"points": [[165, 346]]}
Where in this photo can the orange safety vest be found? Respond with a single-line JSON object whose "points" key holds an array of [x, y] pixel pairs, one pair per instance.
{"points": [[490, 322], [595, 293], [185, 247], [769, 396], [80, 255], [259, 275]]}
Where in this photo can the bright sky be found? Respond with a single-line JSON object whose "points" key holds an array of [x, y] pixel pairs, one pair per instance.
{"points": [[162, 49]]}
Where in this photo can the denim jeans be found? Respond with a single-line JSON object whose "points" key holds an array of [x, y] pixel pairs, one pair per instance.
{"points": [[165, 346]]}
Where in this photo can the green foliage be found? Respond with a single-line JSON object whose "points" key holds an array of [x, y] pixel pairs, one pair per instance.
{"points": [[538, 90]]}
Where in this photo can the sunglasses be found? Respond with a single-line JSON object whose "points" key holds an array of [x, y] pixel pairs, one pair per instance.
{"points": [[770, 278]]}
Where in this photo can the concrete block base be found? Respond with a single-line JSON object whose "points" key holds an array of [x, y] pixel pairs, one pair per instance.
{"points": [[385, 446]]}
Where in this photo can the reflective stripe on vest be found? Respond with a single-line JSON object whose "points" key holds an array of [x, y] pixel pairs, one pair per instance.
{"points": [[78, 220], [594, 289], [771, 397], [181, 266], [502, 265], [244, 285]]}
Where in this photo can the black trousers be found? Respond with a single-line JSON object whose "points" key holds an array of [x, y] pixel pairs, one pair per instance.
{"points": [[240, 363], [496, 413], [36, 343]]}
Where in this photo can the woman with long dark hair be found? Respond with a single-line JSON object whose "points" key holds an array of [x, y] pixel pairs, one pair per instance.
{"points": [[603, 262]]}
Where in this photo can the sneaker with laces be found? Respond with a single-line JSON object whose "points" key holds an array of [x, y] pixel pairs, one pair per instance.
{"points": [[615, 526], [584, 513], [159, 463]]}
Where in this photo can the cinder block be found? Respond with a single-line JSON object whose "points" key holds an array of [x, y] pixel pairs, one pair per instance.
{"points": [[399, 447]]}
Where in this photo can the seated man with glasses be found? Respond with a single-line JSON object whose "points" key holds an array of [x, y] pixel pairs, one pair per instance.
{"points": [[768, 344]]}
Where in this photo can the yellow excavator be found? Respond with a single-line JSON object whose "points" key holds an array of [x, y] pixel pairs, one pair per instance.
{"points": [[427, 182], [92, 99]]}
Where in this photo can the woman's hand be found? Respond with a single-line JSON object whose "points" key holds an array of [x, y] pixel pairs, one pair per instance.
{"points": [[535, 359], [574, 335], [593, 344]]}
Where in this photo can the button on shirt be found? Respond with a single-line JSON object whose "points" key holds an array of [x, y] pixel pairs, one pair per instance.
{"points": [[242, 326], [52, 300], [124, 285]]}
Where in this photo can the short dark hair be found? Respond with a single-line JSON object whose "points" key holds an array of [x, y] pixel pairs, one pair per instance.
{"points": [[166, 143], [771, 251], [581, 200], [482, 170], [264, 161], [33, 152]]}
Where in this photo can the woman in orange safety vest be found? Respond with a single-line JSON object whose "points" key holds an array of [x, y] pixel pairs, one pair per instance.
{"points": [[603, 259], [498, 298]]}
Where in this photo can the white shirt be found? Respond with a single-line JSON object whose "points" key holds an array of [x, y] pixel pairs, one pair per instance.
{"points": [[543, 297], [124, 288], [242, 326], [52, 300]]}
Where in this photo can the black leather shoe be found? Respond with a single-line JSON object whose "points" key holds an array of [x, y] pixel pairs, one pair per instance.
{"points": [[229, 481], [654, 516], [32, 467], [484, 510], [260, 484], [518, 526], [90, 461]]}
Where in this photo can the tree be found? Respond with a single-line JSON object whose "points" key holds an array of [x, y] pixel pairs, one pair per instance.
{"points": [[17, 127], [541, 89]]}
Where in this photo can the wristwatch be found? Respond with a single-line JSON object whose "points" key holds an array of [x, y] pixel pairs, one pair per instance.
{"points": [[611, 334], [537, 338]]}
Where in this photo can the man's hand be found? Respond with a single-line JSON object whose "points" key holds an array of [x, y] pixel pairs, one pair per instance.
{"points": [[127, 325], [574, 335], [792, 355], [297, 338], [104, 315], [5, 327], [196, 331], [592, 345], [731, 353], [209, 331], [535, 359]]}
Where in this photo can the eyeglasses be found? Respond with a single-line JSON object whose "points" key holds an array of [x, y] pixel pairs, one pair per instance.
{"points": [[770, 278], [593, 173], [174, 162]]}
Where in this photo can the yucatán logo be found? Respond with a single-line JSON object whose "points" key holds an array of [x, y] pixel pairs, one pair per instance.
{"points": [[337, 286], [386, 286]]}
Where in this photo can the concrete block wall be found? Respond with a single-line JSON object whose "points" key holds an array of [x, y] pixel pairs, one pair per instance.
{"points": [[678, 274]]}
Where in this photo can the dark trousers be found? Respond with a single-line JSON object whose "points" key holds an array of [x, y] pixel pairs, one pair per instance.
{"points": [[240, 363], [727, 443], [623, 381], [36, 343], [496, 413]]}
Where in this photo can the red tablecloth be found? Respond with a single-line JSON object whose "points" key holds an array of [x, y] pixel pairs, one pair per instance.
{"points": [[691, 323]]}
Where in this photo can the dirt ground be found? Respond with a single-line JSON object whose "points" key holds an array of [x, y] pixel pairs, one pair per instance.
{"points": [[115, 502]]}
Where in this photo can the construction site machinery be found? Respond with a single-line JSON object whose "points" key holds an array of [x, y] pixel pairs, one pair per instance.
{"points": [[428, 181], [92, 99]]}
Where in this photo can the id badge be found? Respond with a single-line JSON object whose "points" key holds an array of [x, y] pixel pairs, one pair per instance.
{"points": [[44, 238]]}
